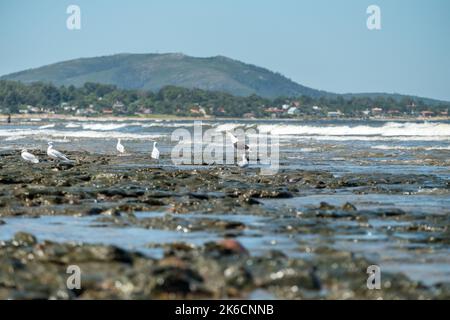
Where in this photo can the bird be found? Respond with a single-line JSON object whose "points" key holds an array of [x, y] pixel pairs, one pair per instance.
{"points": [[235, 141], [55, 154], [155, 151], [244, 162], [29, 157], [120, 147]]}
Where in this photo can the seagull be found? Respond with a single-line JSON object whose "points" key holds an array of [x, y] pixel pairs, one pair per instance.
{"points": [[120, 147], [55, 154], [155, 151], [244, 162], [235, 141], [29, 157]]}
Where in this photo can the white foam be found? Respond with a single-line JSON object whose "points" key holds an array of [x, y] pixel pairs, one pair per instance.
{"points": [[47, 126], [103, 126], [227, 127], [72, 125], [89, 134], [386, 147], [390, 129]]}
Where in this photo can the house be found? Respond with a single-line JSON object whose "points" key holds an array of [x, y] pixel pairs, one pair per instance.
{"points": [[274, 110], [33, 109], [143, 110], [107, 111], [292, 111], [377, 110], [249, 115], [118, 107], [427, 113], [334, 114]]}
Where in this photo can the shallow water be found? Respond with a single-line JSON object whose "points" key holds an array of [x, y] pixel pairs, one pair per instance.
{"points": [[338, 147]]}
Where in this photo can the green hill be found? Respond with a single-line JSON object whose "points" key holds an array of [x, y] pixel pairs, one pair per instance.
{"points": [[154, 71]]}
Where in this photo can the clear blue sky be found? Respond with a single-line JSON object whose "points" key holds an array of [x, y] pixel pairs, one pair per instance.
{"points": [[324, 44]]}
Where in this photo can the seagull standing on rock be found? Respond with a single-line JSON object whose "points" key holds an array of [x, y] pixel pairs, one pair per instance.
{"points": [[155, 152], [55, 154], [120, 147], [29, 157]]}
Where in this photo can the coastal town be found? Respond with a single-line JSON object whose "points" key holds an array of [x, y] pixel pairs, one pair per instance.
{"points": [[291, 109]]}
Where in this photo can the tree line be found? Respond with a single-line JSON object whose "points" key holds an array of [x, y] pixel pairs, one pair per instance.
{"points": [[171, 100]]}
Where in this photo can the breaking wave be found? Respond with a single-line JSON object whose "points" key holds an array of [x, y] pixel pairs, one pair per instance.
{"points": [[402, 131]]}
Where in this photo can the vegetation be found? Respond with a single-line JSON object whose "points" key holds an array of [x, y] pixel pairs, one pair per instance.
{"points": [[154, 71], [93, 98]]}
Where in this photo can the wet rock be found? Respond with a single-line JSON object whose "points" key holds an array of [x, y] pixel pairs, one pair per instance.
{"points": [[238, 277], [348, 207], [392, 212], [326, 206], [226, 247], [94, 211], [113, 212], [176, 280], [24, 239]]}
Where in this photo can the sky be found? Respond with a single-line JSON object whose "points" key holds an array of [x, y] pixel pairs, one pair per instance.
{"points": [[323, 44]]}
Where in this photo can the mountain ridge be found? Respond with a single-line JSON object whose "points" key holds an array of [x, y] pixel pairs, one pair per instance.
{"points": [[153, 71]]}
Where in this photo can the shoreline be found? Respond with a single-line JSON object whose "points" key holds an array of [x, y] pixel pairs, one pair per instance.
{"points": [[165, 117]]}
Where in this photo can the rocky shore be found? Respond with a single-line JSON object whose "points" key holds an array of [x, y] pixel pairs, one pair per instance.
{"points": [[115, 190]]}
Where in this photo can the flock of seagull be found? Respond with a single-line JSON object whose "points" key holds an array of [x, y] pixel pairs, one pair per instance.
{"points": [[154, 155], [59, 156]]}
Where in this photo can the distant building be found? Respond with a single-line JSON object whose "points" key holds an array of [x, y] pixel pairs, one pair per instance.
{"points": [[334, 114], [394, 112], [377, 110], [143, 110], [427, 113], [118, 107], [292, 111]]}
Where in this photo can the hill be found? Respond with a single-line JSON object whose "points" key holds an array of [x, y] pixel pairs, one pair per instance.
{"points": [[155, 71]]}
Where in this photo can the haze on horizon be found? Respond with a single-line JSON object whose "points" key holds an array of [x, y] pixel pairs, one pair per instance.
{"points": [[321, 44]]}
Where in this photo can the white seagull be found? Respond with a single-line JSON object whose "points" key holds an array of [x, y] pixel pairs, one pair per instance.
{"points": [[55, 154], [244, 162], [120, 147], [155, 151], [29, 157], [235, 141]]}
